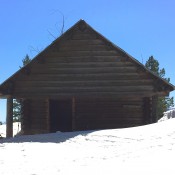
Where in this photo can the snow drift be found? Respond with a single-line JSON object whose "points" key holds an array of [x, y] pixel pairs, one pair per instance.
{"points": [[147, 149], [168, 115], [16, 129]]}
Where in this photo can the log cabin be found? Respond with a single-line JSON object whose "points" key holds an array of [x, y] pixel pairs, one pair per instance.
{"points": [[82, 81]]}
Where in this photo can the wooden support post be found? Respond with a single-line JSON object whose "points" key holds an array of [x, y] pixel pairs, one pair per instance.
{"points": [[9, 118]]}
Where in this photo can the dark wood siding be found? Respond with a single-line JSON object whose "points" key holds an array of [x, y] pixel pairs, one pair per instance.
{"points": [[25, 116], [108, 113], [35, 117], [82, 65], [89, 113], [60, 112]]}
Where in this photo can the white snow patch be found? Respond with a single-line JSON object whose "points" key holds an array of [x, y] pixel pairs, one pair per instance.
{"points": [[168, 115], [142, 150], [16, 129]]}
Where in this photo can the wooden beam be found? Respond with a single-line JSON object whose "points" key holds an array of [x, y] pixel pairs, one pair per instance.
{"points": [[86, 70], [58, 65], [64, 83], [9, 118], [87, 89], [83, 94], [82, 53], [84, 59], [87, 76], [82, 42]]}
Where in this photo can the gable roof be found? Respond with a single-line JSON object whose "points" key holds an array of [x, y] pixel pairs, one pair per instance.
{"points": [[82, 26]]}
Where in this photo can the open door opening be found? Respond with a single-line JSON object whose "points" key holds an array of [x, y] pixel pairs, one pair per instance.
{"points": [[60, 115]]}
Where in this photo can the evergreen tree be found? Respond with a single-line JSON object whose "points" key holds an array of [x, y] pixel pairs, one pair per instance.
{"points": [[25, 61], [16, 102], [164, 103], [16, 110], [152, 65]]}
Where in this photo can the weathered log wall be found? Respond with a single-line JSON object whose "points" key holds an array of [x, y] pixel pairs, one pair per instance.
{"points": [[35, 117], [89, 113], [108, 113], [82, 65]]}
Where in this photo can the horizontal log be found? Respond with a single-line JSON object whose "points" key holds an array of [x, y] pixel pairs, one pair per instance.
{"points": [[91, 100], [84, 59], [85, 30], [107, 115], [115, 123], [39, 121], [72, 85], [39, 103], [83, 36], [38, 110], [80, 115], [87, 89], [86, 70], [53, 95], [107, 101], [94, 126], [112, 102], [42, 118], [108, 121], [91, 48], [82, 65], [98, 108], [104, 122], [81, 53], [38, 129], [107, 83], [107, 125], [112, 107], [84, 42], [82, 77]]}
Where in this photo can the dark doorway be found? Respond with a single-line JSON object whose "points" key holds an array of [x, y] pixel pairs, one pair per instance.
{"points": [[60, 115]]}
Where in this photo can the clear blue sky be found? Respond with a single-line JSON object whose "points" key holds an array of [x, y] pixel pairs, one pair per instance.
{"points": [[140, 27]]}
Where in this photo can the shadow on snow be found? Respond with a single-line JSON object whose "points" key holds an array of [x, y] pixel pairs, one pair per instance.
{"points": [[57, 137]]}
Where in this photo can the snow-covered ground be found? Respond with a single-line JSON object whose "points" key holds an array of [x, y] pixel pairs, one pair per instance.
{"points": [[16, 129], [146, 150], [168, 115]]}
